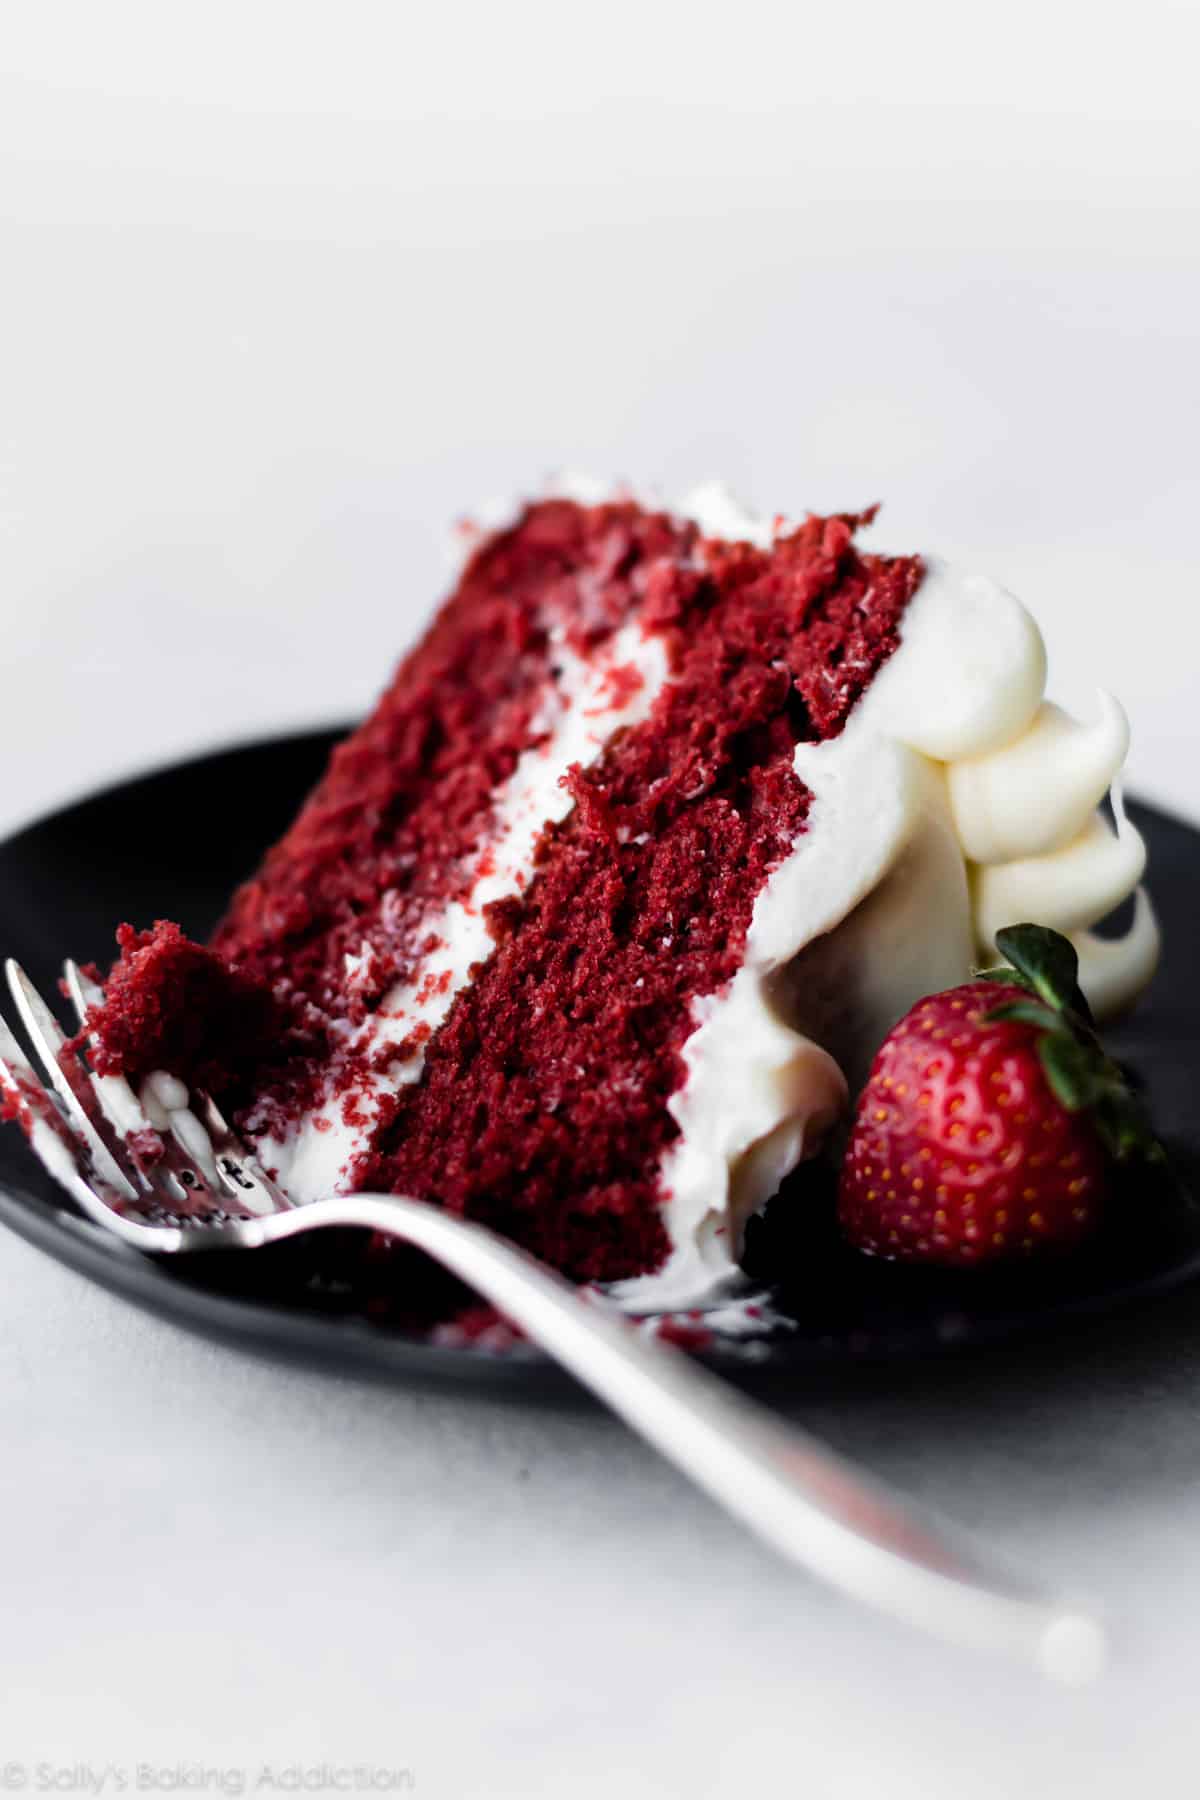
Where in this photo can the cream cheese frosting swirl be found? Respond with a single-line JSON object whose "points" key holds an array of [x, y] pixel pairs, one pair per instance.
{"points": [[1039, 849], [1024, 782]]}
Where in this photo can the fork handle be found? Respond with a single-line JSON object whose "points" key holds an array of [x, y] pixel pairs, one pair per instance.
{"points": [[807, 1502]]}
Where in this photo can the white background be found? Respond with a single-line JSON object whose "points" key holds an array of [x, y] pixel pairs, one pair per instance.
{"points": [[287, 289], [283, 290]]}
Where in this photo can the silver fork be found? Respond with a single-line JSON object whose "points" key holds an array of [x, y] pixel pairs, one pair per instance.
{"points": [[162, 1169]]}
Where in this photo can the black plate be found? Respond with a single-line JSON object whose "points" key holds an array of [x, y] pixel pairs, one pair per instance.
{"points": [[172, 844]]}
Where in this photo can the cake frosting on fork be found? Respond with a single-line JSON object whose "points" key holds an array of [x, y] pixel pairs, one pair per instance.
{"points": [[591, 927]]}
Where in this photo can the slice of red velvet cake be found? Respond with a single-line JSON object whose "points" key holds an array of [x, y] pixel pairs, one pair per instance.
{"points": [[659, 828]]}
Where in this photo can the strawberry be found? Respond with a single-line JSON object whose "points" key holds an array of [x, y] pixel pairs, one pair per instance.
{"points": [[992, 1120]]}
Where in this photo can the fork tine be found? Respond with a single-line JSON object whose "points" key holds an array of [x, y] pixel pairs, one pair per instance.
{"points": [[237, 1166], [118, 1100], [85, 993], [15, 1057], [188, 1153], [58, 1146], [38, 1115], [48, 1039], [21, 1081]]}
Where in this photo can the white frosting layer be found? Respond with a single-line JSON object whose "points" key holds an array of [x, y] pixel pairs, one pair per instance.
{"points": [[588, 702], [760, 1094]]}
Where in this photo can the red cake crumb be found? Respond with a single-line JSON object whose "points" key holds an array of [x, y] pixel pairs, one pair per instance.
{"points": [[171, 1004], [683, 1334], [542, 1105], [480, 1326]]}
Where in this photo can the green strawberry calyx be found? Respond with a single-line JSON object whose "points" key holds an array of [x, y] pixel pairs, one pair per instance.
{"points": [[1082, 1077]]}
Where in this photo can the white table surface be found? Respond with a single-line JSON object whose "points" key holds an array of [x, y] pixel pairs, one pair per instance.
{"points": [[281, 295]]}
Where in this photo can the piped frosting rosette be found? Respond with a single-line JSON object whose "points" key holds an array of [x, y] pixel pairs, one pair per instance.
{"points": [[1025, 782], [1038, 849]]}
